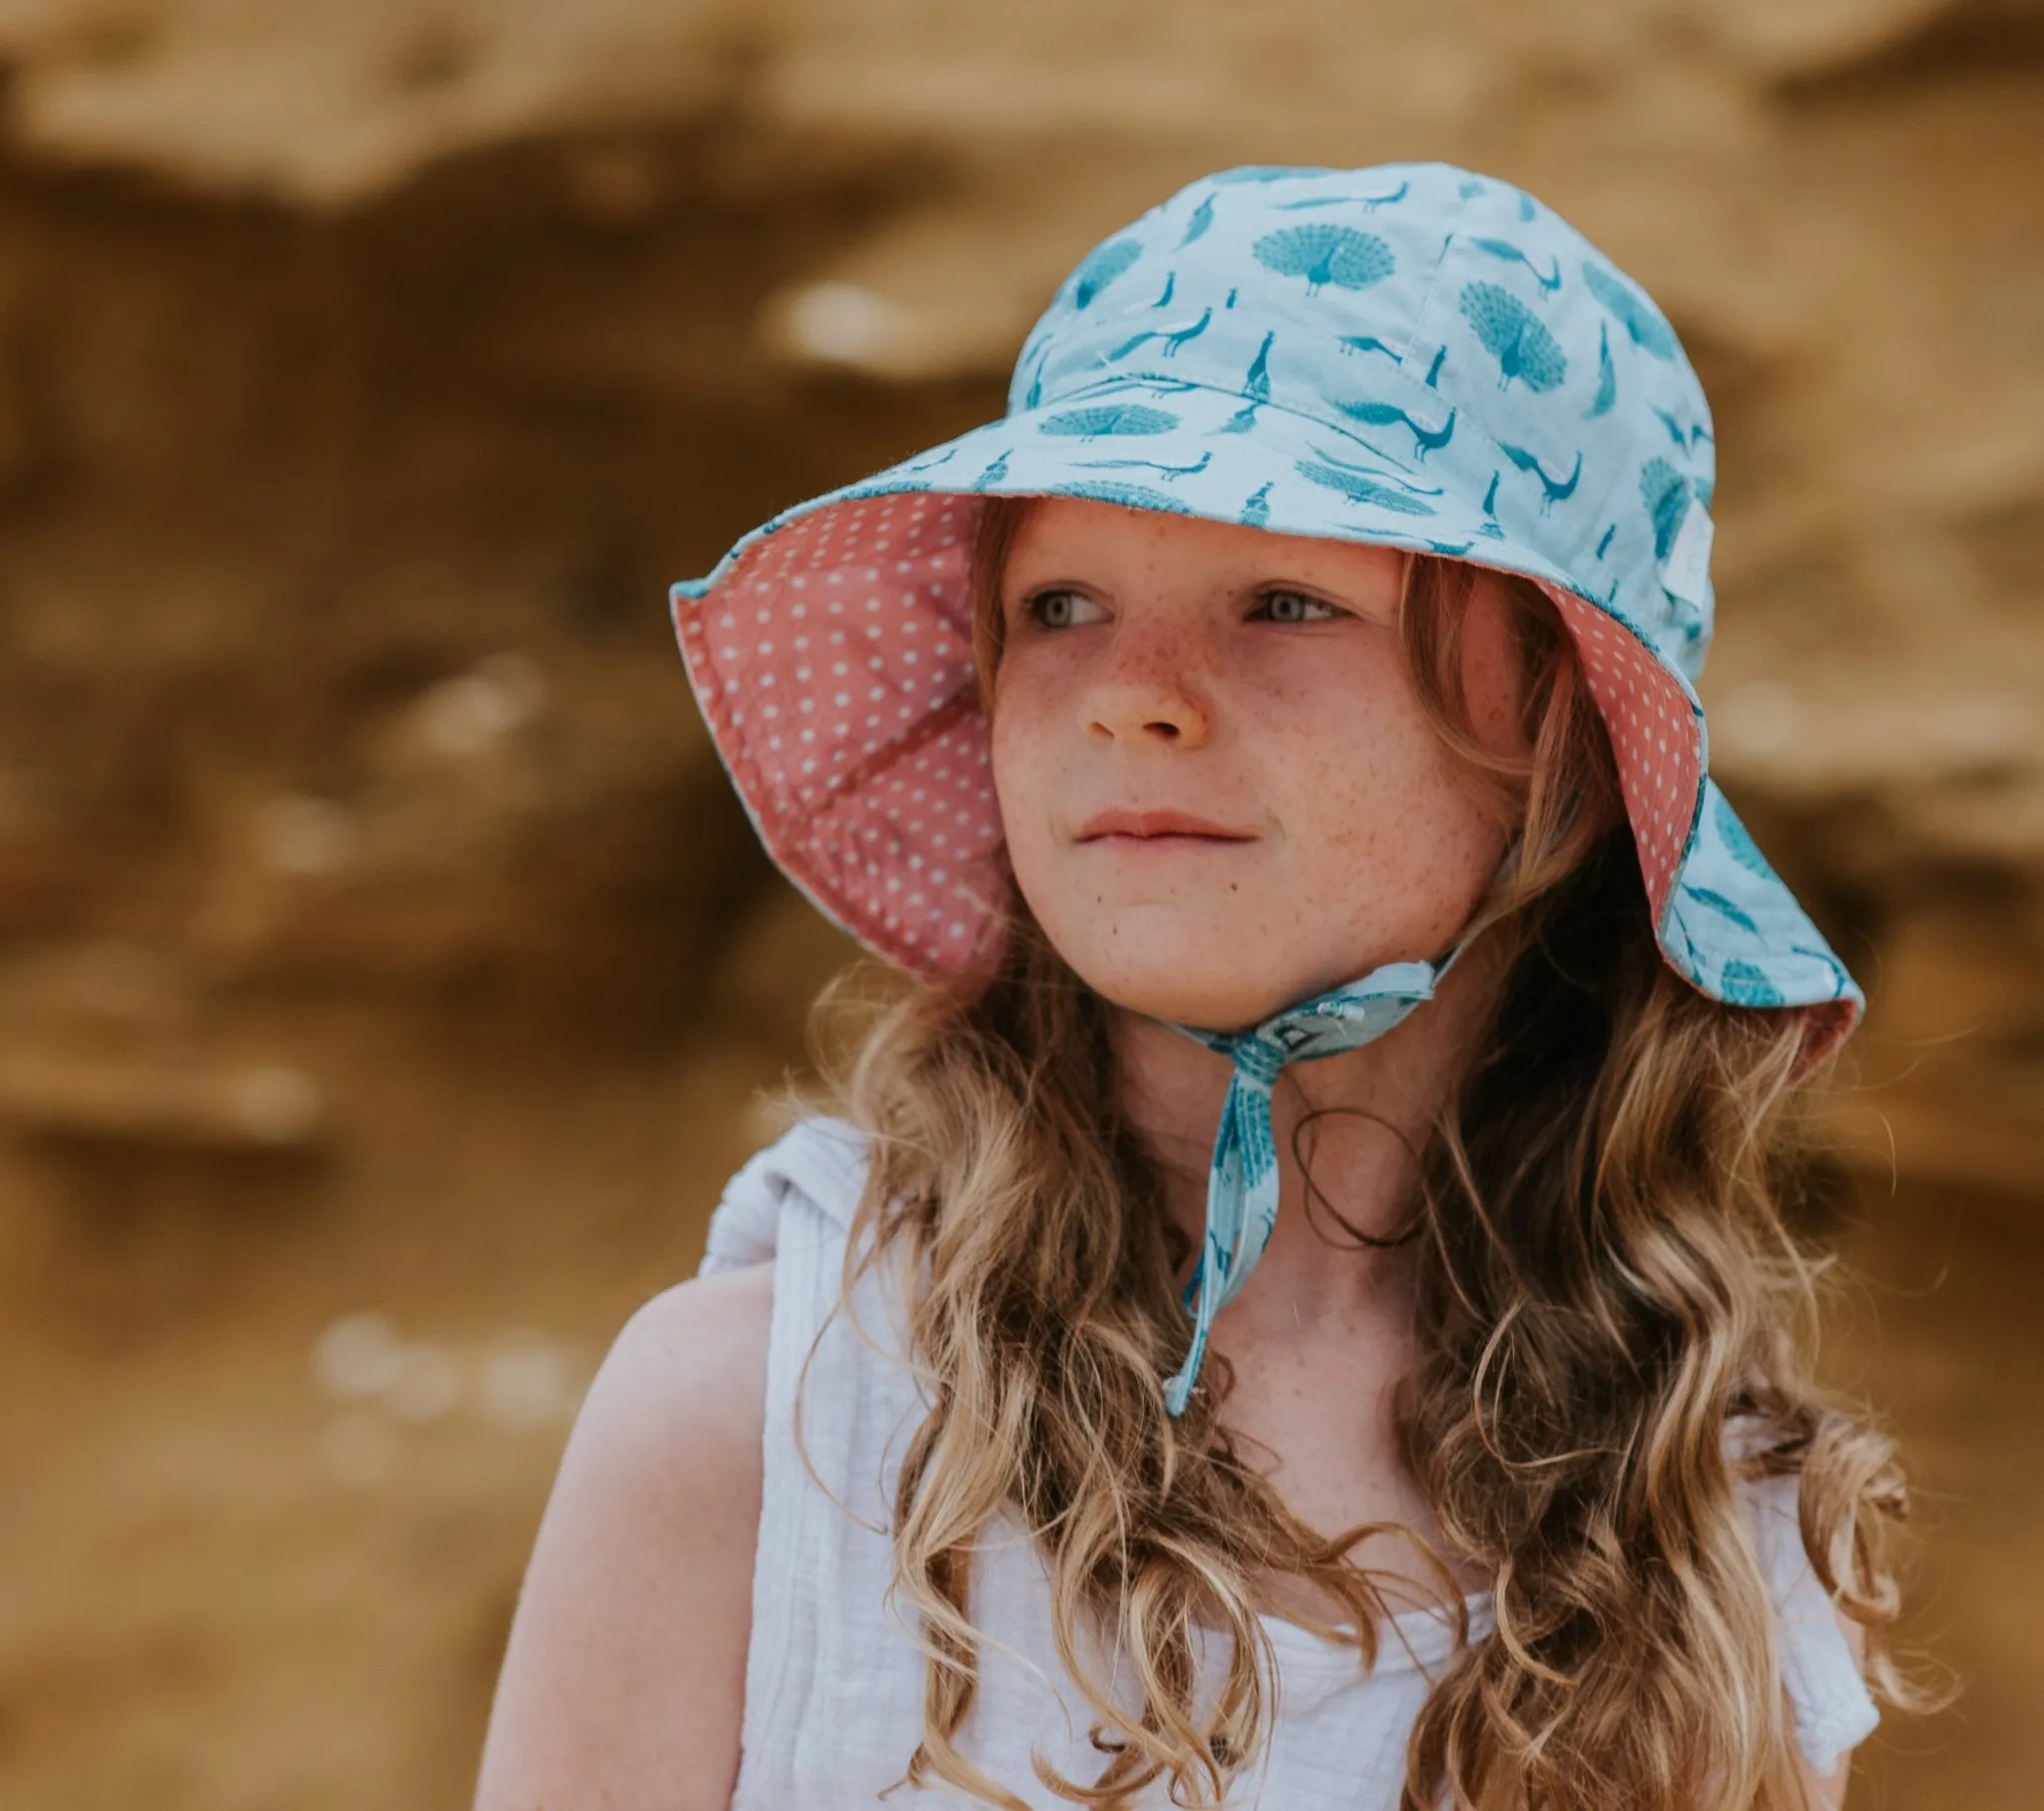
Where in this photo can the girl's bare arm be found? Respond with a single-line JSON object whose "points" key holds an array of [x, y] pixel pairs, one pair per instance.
{"points": [[624, 1681]]}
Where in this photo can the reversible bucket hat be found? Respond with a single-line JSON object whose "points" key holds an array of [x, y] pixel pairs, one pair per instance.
{"points": [[1412, 355]]}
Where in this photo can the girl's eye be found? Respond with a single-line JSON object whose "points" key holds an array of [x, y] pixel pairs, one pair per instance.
{"points": [[1292, 607], [1063, 609]]}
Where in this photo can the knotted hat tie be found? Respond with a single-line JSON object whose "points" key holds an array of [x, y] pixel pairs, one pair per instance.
{"points": [[1242, 1177]]}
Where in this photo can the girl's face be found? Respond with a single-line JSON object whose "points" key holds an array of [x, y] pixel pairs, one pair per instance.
{"points": [[1220, 791]]}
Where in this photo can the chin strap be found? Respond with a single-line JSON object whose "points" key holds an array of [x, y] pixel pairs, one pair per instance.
{"points": [[1241, 1181]]}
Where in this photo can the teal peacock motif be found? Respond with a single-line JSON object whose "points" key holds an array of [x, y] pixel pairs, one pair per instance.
{"points": [[1128, 496], [1036, 355], [1513, 335], [1665, 492], [1113, 259], [1361, 489], [1511, 253], [1324, 254], [1172, 340], [1366, 342], [930, 465], [1151, 465], [1724, 907], [1745, 985], [1682, 437], [1840, 980], [1108, 418], [1170, 285], [1607, 376], [1256, 385], [1152, 381], [1385, 414], [1739, 842], [1642, 321], [1369, 203], [1552, 490], [1490, 525], [1195, 227], [1384, 470], [1255, 509]]}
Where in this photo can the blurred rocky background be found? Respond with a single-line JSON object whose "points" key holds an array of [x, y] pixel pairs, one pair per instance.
{"points": [[386, 976]]}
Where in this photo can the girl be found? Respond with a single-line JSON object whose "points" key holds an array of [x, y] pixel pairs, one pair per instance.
{"points": [[1295, 1307]]}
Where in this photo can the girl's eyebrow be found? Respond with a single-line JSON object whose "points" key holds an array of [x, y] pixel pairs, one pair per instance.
{"points": [[1038, 585], [1350, 597]]}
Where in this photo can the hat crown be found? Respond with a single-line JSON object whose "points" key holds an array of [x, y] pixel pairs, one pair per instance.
{"points": [[1447, 330]]}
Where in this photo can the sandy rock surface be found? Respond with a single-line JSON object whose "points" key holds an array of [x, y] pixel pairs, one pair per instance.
{"points": [[378, 934]]}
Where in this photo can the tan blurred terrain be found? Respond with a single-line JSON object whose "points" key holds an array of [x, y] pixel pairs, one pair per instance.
{"points": [[386, 972]]}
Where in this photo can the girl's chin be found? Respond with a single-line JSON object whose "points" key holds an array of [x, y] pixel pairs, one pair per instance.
{"points": [[1218, 972], [1205, 991]]}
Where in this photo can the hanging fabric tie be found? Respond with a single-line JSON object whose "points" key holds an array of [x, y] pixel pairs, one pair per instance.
{"points": [[1242, 1180]]}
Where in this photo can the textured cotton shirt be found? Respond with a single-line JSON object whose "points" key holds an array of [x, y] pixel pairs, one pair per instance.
{"points": [[834, 1671]]}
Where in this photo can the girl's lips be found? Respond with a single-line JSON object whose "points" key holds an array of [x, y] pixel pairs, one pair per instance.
{"points": [[1157, 826]]}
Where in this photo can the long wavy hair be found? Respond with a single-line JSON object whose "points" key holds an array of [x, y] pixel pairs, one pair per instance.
{"points": [[1606, 1279]]}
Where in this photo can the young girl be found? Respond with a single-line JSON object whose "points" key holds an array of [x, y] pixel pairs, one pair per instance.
{"points": [[1294, 1306]]}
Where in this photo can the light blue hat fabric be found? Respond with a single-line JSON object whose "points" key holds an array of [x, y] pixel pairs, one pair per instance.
{"points": [[1413, 355]]}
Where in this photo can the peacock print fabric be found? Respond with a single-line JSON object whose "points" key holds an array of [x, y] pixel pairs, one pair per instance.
{"points": [[1412, 355]]}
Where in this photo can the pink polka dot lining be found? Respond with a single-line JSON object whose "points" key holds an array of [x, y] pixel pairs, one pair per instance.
{"points": [[1656, 740], [833, 664]]}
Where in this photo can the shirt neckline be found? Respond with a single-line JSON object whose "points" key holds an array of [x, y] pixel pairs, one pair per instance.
{"points": [[1407, 1639]]}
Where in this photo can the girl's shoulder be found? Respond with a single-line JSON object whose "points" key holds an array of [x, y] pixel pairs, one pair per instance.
{"points": [[620, 1627], [820, 1161]]}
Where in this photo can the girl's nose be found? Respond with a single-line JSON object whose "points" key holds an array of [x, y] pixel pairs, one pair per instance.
{"points": [[1144, 690]]}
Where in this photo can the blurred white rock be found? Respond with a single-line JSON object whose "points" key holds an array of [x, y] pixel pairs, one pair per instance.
{"points": [[427, 1385], [465, 714], [276, 1105], [527, 1381], [844, 323], [303, 835], [1762, 719], [358, 1356]]}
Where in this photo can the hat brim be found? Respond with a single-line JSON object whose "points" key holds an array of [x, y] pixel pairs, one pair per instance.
{"points": [[831, 653]]}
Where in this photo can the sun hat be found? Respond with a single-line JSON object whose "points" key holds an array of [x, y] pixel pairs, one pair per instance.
{"points": [[1412, 355]]}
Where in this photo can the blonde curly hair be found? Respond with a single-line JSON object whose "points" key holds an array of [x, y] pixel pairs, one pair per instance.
{"points": [[1605, 1278]]}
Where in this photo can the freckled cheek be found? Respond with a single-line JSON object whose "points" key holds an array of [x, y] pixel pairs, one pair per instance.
{"points": [[1366, 795], [1027, 758]]}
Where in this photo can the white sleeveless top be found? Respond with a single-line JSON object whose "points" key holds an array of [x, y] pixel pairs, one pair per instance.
{"points": [[833, 1675]]}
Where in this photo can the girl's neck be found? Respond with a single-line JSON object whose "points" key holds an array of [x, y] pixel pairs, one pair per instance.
{"points": [[1358, 1120], [1323, 1330]]}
